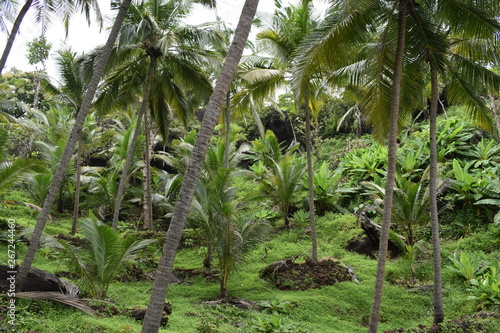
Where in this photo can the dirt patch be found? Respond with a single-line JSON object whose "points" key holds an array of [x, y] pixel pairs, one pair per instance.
{"points": [[286, 274], [138, 314], [236, 302]]}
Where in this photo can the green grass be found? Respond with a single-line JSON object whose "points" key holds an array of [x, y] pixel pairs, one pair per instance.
{"points": [[343, 307]]}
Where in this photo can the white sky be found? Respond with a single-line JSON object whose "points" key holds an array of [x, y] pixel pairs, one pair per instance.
{"points": [[83, 38]]}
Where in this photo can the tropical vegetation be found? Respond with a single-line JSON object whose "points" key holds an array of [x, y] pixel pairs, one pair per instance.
{"points": [[372, 151]]}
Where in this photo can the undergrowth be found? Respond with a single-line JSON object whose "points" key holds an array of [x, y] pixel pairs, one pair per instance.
{"points": [[342, 307]]}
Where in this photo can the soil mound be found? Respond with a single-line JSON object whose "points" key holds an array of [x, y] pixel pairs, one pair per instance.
{"points": [[286, 274]]}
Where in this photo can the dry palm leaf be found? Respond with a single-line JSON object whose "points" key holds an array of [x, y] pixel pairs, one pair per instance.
{"points": [[37, 208], [58, 297]]}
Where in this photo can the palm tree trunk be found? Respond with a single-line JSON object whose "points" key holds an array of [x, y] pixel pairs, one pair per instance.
{"points": [[148, 202], [76, 207], [225, 257], [130, 152], [154, 313], [312, 208], [438, 286], [37, 90], [60, 202], [207, 262], [391, 169], [13, 33], [227, 130], [70, 146], [494, 110]]}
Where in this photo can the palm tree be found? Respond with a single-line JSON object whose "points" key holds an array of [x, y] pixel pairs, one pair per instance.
{"points": [[64, 8], [391, 167], [207, 191], [289, 27], [155, 51], [231, 233], [282, 181], [101, 258], [153, 315], [70, 146], [457, 59], [71, 92], [351, 25], [52, 128], [7, 13], [10, 172]]}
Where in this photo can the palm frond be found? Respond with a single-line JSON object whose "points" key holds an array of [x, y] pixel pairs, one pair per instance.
{"points": [[58, 297]]}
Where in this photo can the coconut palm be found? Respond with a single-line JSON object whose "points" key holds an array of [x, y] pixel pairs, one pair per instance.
{"points": [[355, 19], [11, 171], [153, 315], [282, 181], [159, 59], [44, 10], [207, 191], [102, 257], [7, 14], [70, 146], [71, 92], [288, 28], [457, 59], [51, 128], [350, 25], [231, 232]]}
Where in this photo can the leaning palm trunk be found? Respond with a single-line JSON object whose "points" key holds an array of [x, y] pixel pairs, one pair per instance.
{"points": [[70, 146], [391, 170], [13, 33], [438, 288], [155, 308], [310, 184], [148, 203], [130, 152], [76, 207]]}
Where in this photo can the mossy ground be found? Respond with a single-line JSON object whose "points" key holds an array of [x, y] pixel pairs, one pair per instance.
{"points": [[342, 307]]}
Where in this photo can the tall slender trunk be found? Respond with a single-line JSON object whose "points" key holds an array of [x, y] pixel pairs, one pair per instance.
{"points": [[130, 152], [13, 33], [391, 169], [70, 146], [76, 206], [227, 129], [148, 202], [225, 258], [436, 246], [60, 202], [310, 183], [207, 262], [494, 110], [154, 313], [37, 90]]}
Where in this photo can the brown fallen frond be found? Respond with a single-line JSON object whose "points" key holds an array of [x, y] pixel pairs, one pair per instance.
{"points": [[37, 208], [58, 297]]}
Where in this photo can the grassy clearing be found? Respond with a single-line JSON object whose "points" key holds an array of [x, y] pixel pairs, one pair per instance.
{"points": [[343, 307]]}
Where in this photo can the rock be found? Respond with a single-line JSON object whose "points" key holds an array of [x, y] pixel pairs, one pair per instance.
{"points": [[37, 280]]}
